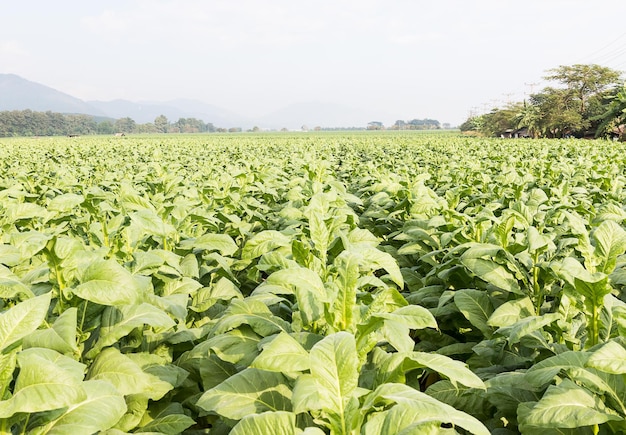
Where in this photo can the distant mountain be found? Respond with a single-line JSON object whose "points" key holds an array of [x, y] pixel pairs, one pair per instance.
{"points": [[17, 93], [312, 114]]}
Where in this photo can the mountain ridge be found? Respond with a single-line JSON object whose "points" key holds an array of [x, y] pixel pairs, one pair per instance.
{"points": [[18, 93]]}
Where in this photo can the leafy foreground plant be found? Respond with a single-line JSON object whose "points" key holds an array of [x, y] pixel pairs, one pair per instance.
{"points": [[341, 284]]}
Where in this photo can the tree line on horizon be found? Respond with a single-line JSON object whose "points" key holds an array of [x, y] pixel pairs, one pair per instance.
{"points": [[32, 123], [588, 101]]}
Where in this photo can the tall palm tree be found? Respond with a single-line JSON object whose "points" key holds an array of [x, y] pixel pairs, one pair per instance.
{"points": [[615, 115], [529, 116]]}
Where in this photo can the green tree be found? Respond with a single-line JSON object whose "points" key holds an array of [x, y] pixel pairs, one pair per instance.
{"points": [[614, 118], [161, 123], [529, 116], [559, 113], [125, 125], [584, 81]]}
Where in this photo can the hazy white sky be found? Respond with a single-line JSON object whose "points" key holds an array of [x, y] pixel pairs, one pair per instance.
{"points": [[408, 59]]}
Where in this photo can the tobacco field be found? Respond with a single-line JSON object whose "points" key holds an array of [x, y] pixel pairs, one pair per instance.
{"points": [[379, 283]]}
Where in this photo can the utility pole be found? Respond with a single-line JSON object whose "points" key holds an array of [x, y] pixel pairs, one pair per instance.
{"points": [[532, 87]]}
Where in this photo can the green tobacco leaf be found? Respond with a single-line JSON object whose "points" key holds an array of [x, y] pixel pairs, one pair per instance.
{"points": [[282, 354], [334, 365], [344, 303], [254, 313], [306, 285], [27, 210], [568, 406], [331, 385], [375, 259], [417, 407], [544, 371], [151, 223], [527, 325], [275, 423], [119, 322], [61, 337], [100, 410], [239, 346], [536, 240], [456, 371], [44, 383], [251, 391], [106, 282], [222, 243], [172, 424], [65, 202], [511, 312], [412, 316], [29, 243], [493, 273], [610, 358], [22, 319], [9, 256], [476, 306], [610, 242], [263, 242], [125, 375], [11, 286]]}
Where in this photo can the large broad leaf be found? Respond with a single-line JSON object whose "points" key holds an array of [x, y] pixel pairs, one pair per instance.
{"points": [[610, 242], [526, 326], [119, 322], [151, 223], [254, 313], [511, 312], [331, 385], [239, 346], [346, 282], [275, 423], [476, 307], [454, 370], [106, 282], [222, 243], [10, 285], [263, 242], [44, 383], [251, 391], [65, 202], [126, 375], [411, 316], [61, 337], [171, 424], [493, 273], [417, 407], [568, 405], [610, 358], [100, 410], [374, 259], [283, 354], [544, 371], [29, 242], [306, 285], [22, 319]]}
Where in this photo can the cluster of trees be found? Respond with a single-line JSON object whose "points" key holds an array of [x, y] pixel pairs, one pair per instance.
{"points": [[589, 101], [29, 123], [414, 124]]}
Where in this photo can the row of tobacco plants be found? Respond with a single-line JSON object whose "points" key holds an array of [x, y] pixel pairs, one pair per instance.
{"points": [[308, 284]]}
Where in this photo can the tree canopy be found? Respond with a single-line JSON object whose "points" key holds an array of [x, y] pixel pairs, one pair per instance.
{"points": [[584, 101]]}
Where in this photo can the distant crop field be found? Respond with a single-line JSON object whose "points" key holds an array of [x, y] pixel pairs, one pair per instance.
{"points": [[312, 283]]}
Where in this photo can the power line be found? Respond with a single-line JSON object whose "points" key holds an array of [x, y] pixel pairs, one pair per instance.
{"points": [[610, 52]]}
